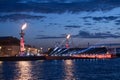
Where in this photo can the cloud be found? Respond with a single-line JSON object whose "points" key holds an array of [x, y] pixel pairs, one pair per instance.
{"points": [[71, 26], [87, 24], [53, 37], [118, 28], [8, 1], [107, 18], [49, 37], [54, 1], [86, 34], [83, 34], [53, 24], [117, 22], [56, 6], [15, 17], [68, 1]]}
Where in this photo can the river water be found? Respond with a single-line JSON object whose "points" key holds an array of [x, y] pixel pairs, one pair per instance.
{"points": [[83, 69]]}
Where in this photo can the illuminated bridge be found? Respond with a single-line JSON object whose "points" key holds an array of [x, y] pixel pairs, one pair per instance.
{"points": [[96, 49], [65, 49]]}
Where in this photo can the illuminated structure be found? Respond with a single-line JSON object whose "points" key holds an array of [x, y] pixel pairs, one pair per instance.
{"points": [[9, 46], [67, 41], [22, 44]]}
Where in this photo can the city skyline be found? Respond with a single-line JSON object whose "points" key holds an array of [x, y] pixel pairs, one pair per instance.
{"points": [[88, 21]]}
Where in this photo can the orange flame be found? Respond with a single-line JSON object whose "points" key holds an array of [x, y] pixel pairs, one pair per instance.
{"points": [[24, 26], [68, 36]]}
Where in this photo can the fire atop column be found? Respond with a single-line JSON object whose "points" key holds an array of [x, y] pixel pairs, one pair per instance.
{"points": [[67, 41], [22, 44]]}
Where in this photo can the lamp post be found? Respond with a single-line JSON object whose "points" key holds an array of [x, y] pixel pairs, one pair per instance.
{"points": [[22, 44]]}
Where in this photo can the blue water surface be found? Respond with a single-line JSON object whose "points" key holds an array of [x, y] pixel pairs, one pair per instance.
{"points": [[83, 69]]}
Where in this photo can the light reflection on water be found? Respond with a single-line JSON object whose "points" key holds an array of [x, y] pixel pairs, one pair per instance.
{"points": [[69, 69], [60, 70], [23, 70], [1, 62]]}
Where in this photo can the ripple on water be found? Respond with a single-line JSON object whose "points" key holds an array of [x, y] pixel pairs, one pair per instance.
{"points": [[61, 70]]}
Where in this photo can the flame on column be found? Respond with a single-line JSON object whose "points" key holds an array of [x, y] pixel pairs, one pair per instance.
{"points": [[68, 36], [24, 26]]}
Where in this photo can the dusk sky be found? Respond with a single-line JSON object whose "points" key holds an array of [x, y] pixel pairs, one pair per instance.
{"points": [[49, 21]]}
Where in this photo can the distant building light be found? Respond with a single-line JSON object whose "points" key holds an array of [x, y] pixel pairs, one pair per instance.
{"points": [[28, 54], [29, 48], [38, 51], [9, 49], [0, 47], [24, 49], [41, 48], [49, 49]]}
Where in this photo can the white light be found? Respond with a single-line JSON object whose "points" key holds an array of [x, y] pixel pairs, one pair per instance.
{"points": [[68, 36], [0, 47], [24, 26]]}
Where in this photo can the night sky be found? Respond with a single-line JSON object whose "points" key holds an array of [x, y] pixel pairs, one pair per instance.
{"points": [[49, 21]]}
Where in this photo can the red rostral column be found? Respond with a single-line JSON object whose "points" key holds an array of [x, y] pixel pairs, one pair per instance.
{"points": [[22, 44]]}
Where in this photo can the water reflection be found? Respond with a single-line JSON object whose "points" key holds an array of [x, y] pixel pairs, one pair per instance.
{"points": [[1, 62], [1, 70], [24, 70], [69, 70], [60, 70]]}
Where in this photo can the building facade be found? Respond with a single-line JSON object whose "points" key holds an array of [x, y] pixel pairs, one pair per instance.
{"points": [[9, 46]]}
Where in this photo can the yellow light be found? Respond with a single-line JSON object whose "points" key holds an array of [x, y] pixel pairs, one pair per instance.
{"points": [[9, 49], [48, 48], [1, 62], [24, 26], [29, 48], [69, 69], [68, 62], [24, 70], [0, 47], [38, 50], [24, 49]]}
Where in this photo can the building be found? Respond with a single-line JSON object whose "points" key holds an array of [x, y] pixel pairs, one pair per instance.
{"points": [[9, 46]]}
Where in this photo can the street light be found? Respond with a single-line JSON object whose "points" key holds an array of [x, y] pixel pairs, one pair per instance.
{"points": [[22, 46]]}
